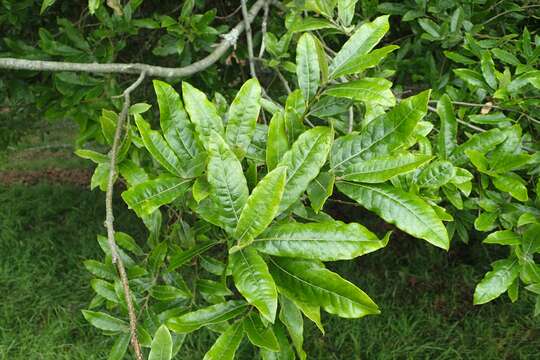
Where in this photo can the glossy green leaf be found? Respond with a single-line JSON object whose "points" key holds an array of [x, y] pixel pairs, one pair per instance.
{"points": [[278, 143], [513, 185], [162, 344], [183, 257], [367, 61], [253, 281], [202, 113], [320, 189], [430, 27], [382, 135], [503, 237], [261, 207], [381, 169], [168, 293], [308, 71], [497, 281], [369, 90], [326, 241], [304, 161], [104, 289], [436, 174], [94, 156], [310, 282], [346, 11], [483, 142], [105, 322], [488, 70], [447, 137], [310, 24], [227, 343], [148, 196], [229, 191], [471, 77], [359, 44], [119, 347], [206, 316], [407, 211], [260, 335], [295, 107], [505, 56], [291, 317], [243, 114]]}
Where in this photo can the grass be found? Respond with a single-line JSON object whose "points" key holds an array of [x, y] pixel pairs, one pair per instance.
{"points": [[425, 294]]}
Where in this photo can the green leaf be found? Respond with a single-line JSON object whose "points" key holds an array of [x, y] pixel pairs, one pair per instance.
{"points": [[202, 113], [227, 343], [161, 348], [369, 90], [471, 77], [486, 221], [291, 317], [457, 57], [326, 241], [310, 24], [307, 66], [177, 128], [148, 196], [497, 281], [168, 293], [158, 147], [483, 142], [407, 211], [359, 44], [506, 56], [382, 135], [254, 282], [277, 144], [346, 11], [139, 108], [430, 27], [447, 138], [310, 282], [320, 189], [45, 4], [104, 289], [304, 161], [503, 237], [260, 335], [488, 70], [512, 184], [243, 114], [105, 322], [381, 169], [127, 242], [436, 174], [92, 155], [183, 257], [119, 347], [229, 190], [261, 207], [214, 314]]}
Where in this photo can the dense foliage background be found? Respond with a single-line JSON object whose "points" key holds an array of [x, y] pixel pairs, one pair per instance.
{"points": [[423, 114]]}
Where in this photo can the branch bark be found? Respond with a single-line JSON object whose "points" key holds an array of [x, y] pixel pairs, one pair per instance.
{"points": [[249, 37], [109, 218], [229, 39]]}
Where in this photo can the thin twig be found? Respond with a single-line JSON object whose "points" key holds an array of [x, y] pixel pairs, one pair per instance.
{"points": [[249, 38], [109, 219], [508, 12], [283, 81], [229, 39], [264, 25], [351, 119]]}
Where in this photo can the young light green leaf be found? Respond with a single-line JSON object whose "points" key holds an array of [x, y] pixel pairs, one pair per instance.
{"points": [[105, 322], [497, 281], [483, 142], [168, 293], [162, 344], [436, 174], [310, 282], [260, 335], [512, 184], [369, 90], [320, 189], [381, 169], [148, 196], [346, 11], [291, 317], [358, 45], [96, 157], [488, 70], [254, 282], [447, 137], [503, 237], [202, 113], [227, 343], [307, 66], [229, 191], [310, 24], [304, 161], [471, 77], [367, 61], [277, 144], [261, 207], [325, 241], [206, 316], [243, 114], [407, 211]]}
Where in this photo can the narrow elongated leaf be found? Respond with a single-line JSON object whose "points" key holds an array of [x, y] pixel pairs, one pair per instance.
{"points": [[168, 293], [346, 11], [512, 184], [180, 259], [254, 282], [378, 170], [488, 70], [201, 112], [291, 317], [497, 281], [366, 61], [359, 44], [407, 211], [482, 142], [304, 161], [158, 147], [206, 316], [310, 282], [310, 24], [161, 348], [369, 90], [243, 114], [503, 237], [104, 289], [148, 196], [105, 321], [447, 138], [326, 241], [320, 189], [260, 335], [471, 77], [307, 66], [227, 343], [278, 143], [436, 174], [382, 135], [229, 191]]}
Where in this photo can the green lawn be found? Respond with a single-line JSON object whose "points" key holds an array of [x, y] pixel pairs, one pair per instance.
{"points": [[425, 294]]}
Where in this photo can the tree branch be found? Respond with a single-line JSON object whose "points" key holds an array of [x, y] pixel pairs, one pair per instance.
{"points": [[229, 39], [249, 38], [109, 218]]}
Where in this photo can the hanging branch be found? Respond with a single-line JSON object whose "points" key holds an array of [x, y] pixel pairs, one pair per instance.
{"points": [[229, 40], [109, 219]]}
